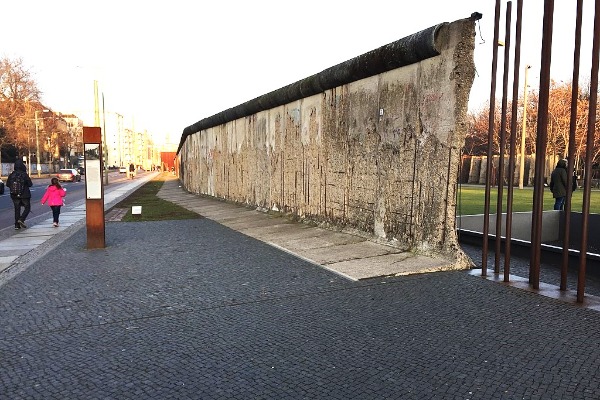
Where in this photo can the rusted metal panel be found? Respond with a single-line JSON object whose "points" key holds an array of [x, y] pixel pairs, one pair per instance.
{"points": [[94, 208], [95, 225]]}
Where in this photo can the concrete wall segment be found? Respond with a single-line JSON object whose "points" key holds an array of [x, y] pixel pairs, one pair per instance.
{"points": [[379, 155]]}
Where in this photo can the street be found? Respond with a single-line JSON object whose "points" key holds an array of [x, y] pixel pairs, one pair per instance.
{"points": [[75, 195]]}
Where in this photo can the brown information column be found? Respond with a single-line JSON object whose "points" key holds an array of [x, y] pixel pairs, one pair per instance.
{"points": [[94, 191]]}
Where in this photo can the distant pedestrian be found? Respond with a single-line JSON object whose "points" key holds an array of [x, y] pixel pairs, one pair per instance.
{"points": [[558, 184], [54, 196], [19, 183], [131, 171]]}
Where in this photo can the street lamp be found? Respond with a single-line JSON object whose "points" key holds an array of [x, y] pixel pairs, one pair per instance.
{"points": [[28, 148], [50, 155], [105, 156], [37, 145], [37, 142], [68, 143], [97, 123]]}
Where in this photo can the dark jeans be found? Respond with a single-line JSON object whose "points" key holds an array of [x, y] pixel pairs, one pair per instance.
{"points": [[18, 203], [55, 213], [559, 203]]}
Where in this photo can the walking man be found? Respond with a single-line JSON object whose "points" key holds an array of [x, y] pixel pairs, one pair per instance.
{"points": [[558, 184], [19, 183], [131, 172]]}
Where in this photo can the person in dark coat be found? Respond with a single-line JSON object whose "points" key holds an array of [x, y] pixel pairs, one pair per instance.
{"points": [[558, 184], [24, 199], [131, 172]]}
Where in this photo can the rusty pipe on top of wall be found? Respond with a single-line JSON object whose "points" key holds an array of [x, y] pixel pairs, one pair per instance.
{"points": [[408, 50]]}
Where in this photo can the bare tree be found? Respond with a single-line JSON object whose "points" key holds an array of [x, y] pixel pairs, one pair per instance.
{"points": [[559, 118], [19, 99], [476, 139]]}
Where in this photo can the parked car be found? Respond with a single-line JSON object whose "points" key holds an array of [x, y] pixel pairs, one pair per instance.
{"points": [[1, 186], [70, 175], [122, 170]]}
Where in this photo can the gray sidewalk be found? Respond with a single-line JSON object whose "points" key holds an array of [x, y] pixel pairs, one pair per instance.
{"points": [[356, 256], [27, 245], [348, 254], [195, 309]]}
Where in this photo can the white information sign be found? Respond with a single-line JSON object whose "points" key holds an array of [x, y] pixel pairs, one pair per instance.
{"points": [[93, 171]]}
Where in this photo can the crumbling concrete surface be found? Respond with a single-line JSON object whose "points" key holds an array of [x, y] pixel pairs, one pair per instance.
{"points": [[379, 155]]}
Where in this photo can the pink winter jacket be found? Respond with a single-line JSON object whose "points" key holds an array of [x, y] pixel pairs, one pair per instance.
{"points": [[54, 196]]}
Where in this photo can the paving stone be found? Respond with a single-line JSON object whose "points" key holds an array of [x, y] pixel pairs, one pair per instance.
{"points": [[192, 309]]}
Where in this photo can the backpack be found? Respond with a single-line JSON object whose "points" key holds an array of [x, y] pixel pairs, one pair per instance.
{"points": [[17, 184]]}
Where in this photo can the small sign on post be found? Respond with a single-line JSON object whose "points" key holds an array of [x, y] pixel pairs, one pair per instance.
{"points": [[136, 210]]}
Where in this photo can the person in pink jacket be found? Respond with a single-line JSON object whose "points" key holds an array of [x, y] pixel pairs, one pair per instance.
{"points": [[54, 196]]}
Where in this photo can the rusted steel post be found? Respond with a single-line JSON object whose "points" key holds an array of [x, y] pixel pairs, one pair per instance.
{"points": [[571, 153], [498, 241], [94, 190], [488, 171], [589, 151], [513, 141], [541, 141]]}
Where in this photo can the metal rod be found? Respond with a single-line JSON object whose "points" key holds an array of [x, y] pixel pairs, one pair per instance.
{"points": [[571, 152], [96, 106], [105, 149], [512, 142], [542, 136], [488, 174], [498, 241], [37, 145], [589, 154]]}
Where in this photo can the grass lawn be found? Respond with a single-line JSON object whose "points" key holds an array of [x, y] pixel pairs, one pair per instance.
{"points": [[471, 199], [153, 207]]}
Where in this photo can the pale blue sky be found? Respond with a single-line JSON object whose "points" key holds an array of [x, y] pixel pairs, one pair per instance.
{"points": [[166, 65]]}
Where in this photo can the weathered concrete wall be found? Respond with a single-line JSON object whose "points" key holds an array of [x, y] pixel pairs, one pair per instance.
{"points": [[379, 154]]}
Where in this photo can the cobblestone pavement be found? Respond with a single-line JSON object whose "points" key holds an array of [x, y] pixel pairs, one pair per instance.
{"points": [[194, 310]]}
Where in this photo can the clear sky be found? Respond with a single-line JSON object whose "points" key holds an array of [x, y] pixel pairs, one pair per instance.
{"points": [[164, 65]]}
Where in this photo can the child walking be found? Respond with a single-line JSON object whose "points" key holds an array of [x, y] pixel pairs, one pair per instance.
{"points": [[54, 196]]}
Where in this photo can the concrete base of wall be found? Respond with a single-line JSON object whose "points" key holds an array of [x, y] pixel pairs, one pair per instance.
{"points": [[470, 227], [521, 225]]}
